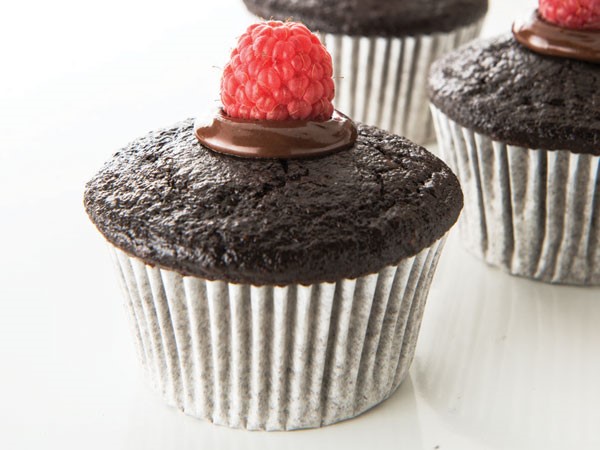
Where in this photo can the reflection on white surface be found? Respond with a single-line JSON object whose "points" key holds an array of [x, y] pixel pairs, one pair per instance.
{"points": [[511, 361], [393, 425]]}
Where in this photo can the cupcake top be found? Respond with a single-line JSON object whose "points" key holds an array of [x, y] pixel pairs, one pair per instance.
{"points": [[374, 17], [277, 188], [537, 88], [504, 90], [172, 202]]}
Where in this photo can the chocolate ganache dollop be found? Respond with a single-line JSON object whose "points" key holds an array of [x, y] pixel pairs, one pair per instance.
{"points": [[543, 37], [285, 139]]}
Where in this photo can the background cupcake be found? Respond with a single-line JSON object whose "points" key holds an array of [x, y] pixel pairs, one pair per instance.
{"points": [[274, 293], [520, 123], [382, 50]]}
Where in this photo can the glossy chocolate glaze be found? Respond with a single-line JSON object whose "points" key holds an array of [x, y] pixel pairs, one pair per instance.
{"points": [[542, 37], [285, 139]]}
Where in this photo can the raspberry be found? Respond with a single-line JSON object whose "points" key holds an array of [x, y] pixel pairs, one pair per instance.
{"points": [[577, 14], [279, 71]]}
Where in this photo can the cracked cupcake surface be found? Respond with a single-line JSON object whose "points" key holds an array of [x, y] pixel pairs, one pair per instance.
{"points": [[501, 89], [374, 17], [173, 203]]}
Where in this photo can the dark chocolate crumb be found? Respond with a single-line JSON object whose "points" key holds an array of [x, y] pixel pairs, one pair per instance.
{"points": [[173, 203]]}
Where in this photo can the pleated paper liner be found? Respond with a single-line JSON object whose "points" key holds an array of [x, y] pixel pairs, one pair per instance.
{"points": [[383, 81], [534, 213], [276, 358]]}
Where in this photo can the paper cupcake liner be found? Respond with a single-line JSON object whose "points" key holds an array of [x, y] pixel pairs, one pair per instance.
{"points": [[276, 358], [383, 81], [534, 213]]}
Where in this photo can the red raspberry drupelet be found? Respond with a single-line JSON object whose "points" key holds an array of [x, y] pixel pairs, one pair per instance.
{"points": [[577, 14], [278, 71]]}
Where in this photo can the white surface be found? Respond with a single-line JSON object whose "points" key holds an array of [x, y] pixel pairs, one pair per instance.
{"points": [[502, 363]]}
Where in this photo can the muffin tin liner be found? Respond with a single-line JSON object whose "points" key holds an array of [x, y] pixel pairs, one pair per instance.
{"points": [[383, 81], [532, 212], [276, 358]]}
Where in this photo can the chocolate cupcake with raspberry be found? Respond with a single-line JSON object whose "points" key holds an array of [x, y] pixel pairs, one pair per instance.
{"points": [[276, 258], [518, 117], [382, 51]]}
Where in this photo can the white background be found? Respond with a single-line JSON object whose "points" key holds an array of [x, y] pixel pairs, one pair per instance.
{"points": [[502, 363]]}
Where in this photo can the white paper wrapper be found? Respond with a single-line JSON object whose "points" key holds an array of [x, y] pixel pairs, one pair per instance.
{"points": [[276, 358], [531, 212], [383, 81]]}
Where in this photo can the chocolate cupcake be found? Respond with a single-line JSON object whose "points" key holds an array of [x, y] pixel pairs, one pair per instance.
{"points": [[518, 117], [275, 271], [382, 50]]}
